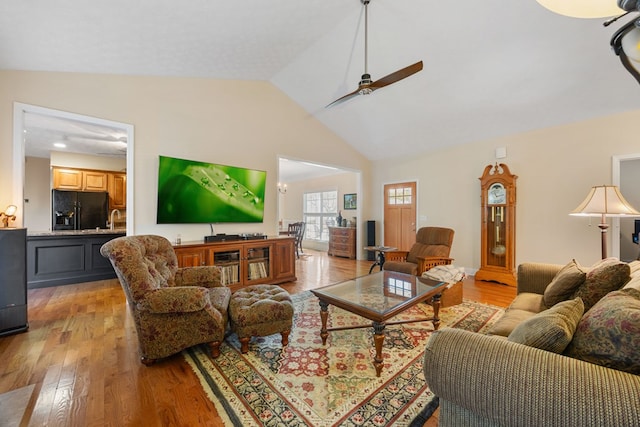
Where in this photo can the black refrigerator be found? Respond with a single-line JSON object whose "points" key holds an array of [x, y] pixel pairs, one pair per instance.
{"points": [[79, 210]]}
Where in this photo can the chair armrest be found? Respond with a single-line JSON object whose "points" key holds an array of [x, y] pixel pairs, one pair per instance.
{"points": [[534, 277], [427, 263], [181, 299], [506, 383], [208, 276], [396, 255]]}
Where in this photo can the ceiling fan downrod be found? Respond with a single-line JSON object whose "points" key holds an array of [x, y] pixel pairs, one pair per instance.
{"points": [[365, 81]]}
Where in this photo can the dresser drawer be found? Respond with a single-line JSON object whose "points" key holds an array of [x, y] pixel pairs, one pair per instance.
{"points": [[342, 242]]}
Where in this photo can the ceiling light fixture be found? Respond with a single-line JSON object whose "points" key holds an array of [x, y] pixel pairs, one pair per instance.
{"points": [[60, 145], [583, 8], [626, 41]]}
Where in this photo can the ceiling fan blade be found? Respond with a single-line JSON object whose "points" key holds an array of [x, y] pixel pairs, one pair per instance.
{"points": [[344, 98], [396, 76]]}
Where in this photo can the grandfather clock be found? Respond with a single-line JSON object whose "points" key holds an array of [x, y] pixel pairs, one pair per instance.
{"points": [[498, 225]]}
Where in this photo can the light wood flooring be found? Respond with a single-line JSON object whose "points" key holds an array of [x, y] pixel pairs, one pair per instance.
{"points": [[78, 364]]}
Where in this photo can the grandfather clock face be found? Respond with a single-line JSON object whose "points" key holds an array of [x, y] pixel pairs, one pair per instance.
{"points": [[496, 194]]}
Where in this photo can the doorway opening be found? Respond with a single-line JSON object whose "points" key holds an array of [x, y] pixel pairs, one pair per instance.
{"points": [[625, 172], [85, 132]]}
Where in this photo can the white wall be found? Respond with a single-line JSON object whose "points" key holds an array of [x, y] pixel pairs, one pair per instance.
{"points": [[630, 189], [37, 194], [343, 183]]}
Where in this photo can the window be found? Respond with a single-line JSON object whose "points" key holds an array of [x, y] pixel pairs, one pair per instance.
{"points": [[319, 207], [399, 196]]}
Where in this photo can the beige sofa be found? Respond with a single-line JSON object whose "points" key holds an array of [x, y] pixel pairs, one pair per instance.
{"points": [[488, 380]]}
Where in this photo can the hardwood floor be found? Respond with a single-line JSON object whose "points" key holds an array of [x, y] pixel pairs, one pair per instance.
{"points": [[80, 355]]}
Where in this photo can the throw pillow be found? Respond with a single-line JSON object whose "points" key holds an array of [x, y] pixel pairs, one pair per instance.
{"points": [[551, 329], [564, 284], [609, 333], [602, 279]]}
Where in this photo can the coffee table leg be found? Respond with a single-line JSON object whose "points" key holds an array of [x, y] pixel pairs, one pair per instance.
{"points": [[435, 303], [324, 313], [378, 339]]}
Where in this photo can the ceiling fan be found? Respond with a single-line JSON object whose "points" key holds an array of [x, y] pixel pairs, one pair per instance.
{"points": [[366, 85]]}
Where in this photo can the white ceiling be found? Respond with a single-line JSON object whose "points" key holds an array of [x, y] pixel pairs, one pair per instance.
{"points": [[491, 68]]}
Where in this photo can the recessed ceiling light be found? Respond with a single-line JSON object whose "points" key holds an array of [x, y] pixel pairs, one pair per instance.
{"points": [[59, 145]]}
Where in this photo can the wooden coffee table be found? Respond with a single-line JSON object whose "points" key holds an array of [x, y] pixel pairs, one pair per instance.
{"points": [[378, 297]]}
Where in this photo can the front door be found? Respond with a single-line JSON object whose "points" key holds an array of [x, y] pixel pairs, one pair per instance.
{"points": [[400, 215]]}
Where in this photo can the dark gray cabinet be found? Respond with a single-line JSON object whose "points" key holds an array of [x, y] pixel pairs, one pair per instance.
{"points": [[63, 259], [13, 280]]}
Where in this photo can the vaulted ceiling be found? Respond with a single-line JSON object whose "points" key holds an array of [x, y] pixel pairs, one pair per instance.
{"points": [[492, 68]]}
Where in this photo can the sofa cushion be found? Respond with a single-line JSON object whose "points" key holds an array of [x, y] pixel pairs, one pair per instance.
{"points": [[609, 333], [633, 283], [564, 284], [509, 320], [528, 301], [551, 329], [606, 276]]}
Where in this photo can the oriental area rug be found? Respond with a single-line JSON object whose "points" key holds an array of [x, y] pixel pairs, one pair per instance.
{"points": [[308, 384]]}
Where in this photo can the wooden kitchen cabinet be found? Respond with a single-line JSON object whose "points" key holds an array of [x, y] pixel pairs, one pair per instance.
{"points": [[244, 262], [95, 180], [79, 179], [117, 191], [67, 179], [342, 242]]}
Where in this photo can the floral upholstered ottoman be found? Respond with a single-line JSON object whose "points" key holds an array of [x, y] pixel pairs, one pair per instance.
{"points": [[260, 310]]}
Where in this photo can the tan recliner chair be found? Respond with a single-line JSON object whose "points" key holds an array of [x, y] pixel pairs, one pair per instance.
{"points": [[432, 247], [173, 308]]}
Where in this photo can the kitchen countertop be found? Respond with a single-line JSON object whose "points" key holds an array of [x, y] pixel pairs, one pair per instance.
{"points": [[77, 232]]}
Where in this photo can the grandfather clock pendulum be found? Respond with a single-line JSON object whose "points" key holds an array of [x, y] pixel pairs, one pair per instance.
{"points": [[498, 199]]}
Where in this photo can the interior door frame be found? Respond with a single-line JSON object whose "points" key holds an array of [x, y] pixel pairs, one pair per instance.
{"points": [[416, 201], [19, 110], [616, 160]]}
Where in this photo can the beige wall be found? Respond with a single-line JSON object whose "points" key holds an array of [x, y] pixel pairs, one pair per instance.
{"points": [[242, 123], [556, 168], [250, 124]]}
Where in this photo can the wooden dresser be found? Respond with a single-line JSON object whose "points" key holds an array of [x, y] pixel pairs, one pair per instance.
{"points": [[342, 242]]}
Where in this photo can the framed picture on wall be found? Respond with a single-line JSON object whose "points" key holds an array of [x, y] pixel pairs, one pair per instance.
{"points": [[351, 201]]}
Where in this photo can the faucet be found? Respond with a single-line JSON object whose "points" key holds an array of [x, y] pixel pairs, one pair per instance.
{"points": [[111, 226]]}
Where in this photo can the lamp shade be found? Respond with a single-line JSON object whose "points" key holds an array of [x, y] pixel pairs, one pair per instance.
{"points": [[605, 200], [583, 8]]}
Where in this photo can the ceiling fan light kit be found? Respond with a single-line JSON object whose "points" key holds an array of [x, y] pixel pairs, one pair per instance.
{"points": [[626, 41], [582, 8], [366, 86]]}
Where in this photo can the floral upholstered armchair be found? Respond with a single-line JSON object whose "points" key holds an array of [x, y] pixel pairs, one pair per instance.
{"points": [[432, 247], [173, 308]]}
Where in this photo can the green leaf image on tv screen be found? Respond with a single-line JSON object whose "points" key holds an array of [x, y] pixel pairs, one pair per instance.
{"points": [[200, 193]]}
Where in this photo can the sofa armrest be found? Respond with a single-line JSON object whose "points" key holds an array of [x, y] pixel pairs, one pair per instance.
{"points": [[208, 276], [511, 384], [183, 299], [534, 277]]}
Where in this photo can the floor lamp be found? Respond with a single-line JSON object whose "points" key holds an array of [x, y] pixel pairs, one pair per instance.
{"points": [[605, 201]]}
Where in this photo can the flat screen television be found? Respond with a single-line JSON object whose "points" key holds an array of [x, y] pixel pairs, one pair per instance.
{"points": [[191, 192]]}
